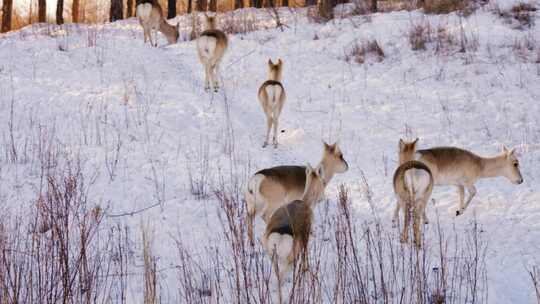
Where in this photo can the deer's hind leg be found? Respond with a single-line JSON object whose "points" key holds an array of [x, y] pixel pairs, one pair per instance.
{"points": [[395, 218], [215, 74], [461, 195], [275, 120], [406, 221], [269, 122], [206, 76]]}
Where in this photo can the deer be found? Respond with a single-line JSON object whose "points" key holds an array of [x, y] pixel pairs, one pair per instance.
{"points": [[413, 185], [272, 98], [462, 168], [211, 46], [288, 231], [271, 188], [151, 19]]}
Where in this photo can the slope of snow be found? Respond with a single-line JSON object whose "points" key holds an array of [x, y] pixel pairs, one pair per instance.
{"points": [[98, 89]]}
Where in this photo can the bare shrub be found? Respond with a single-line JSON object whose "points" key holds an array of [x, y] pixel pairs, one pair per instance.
{"points": [[438, 7], [419, 35], [445, 41], [365, 51], [240, 23], [58, 254], [198, 165], [534, 273], [322, 12], [150, 267], [526, 48], [349, 262], [520, 16]]}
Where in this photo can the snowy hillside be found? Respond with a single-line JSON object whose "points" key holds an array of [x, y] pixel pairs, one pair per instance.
{"points": [[154, 147]]}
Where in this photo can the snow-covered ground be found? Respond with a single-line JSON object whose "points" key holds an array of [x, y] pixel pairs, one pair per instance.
{"points": [[142, 124]]}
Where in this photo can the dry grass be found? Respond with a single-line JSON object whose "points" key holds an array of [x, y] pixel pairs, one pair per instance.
{"points": [[527, 49], [365, 51], [534, 273], [150, 268], [445, 41], [419, 35], [520, 16], [438, 7]]}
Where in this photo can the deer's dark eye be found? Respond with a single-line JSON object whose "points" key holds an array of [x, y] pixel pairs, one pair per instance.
{"points": [[516, 165]]}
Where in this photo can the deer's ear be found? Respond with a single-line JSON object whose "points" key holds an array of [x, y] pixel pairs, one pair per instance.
{"points": [[401, 144], [309, 169], [279, 62], [320, 172], [270, 63], [415, 141], [326, 146]]}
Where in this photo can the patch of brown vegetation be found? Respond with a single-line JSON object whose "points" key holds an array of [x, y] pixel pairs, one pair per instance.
{"points": [[360, 52], [438, 7]]}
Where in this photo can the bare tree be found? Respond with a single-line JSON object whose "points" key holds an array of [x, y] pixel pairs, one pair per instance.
{"points": [[117, 11], [202, 5], [238, 4], [75, 11], [129, 10], [60, 12], [212, 5], [42, 10], [171, 9], [190, 6], [256, 3], [326, 8], [7, 9]]}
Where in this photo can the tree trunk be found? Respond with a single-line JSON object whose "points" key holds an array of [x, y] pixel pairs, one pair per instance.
{"points": [[326, 8], [238, 4], [60, 12], [129, 9], [42, 10], [256, 3], [75, 11], [311, 2], [212, 5], [269, 3], [374, 6], [7, 9], [117, 11], [171, 9], [202, 5], [189, 6]]}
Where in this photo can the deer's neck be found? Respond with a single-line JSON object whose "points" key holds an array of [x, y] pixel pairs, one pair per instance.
{"points": [[275, 77], [492, 166], [328, 171], [311, 195]]}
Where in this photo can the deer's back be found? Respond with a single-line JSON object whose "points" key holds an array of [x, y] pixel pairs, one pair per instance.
{"points": [[220, 37], [451, 165]]}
